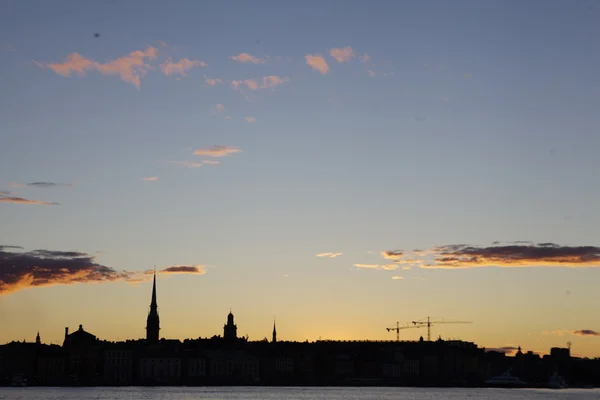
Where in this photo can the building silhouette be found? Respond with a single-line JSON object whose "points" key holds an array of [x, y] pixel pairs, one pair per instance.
{"points": [[230, 329], [85, 360], [153, 322]]}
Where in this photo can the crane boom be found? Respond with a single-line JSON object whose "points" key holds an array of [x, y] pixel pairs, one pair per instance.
{"points": [[429, 323], [398, 328]]}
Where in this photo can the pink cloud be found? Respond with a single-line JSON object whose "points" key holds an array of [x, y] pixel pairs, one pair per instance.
{"points": [[250, 119], [131, 68], [212, 82], [150, 178], [20, 200], [255, 84], [247, 58], [217, 151], [342, 54], [329, 254], [194, 164], [180, 67], [317, 62]]}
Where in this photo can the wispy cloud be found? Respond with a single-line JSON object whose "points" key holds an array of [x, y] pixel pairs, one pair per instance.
{"points": [[150, 178], [397, 278], [586, 332], [250, 119], [540, 255], [217, 151], [213, 82], [372, 73], [180, 67], [559, 332], [41, 184], [342, 54], [247, 58], [4, 193], [220, 107], [392, 254], [386, 267], [317, 62], [180, 269], [365, 58], [130, 68], [39, 268], [266, 82], [193, 164], [329, 255], [6, 198]]}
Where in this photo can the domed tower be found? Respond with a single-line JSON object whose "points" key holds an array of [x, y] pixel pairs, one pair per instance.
{"points": [[153, 322], [230, 329]]}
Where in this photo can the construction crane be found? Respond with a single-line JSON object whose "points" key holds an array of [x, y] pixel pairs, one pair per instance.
{"points": [[429, 322], [398, 328]]}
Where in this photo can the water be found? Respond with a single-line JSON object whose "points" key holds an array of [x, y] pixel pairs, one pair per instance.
{"points": [[258, 393]]}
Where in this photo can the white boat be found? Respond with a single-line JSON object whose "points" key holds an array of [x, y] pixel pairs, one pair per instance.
{"points": [[506, 380]]}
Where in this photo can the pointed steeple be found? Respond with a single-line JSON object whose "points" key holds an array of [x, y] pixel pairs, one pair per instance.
{"points": [[274, 339], [153, 322], [153, 302], [37, 338]]}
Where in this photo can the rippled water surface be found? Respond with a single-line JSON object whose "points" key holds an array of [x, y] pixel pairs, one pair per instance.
{"points": [[254, 393]]}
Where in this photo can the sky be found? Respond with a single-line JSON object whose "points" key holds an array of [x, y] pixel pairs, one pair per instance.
{"points": [[335, 165]]}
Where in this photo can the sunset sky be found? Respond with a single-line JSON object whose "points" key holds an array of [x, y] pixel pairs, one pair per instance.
{"points": [[336, 165]]}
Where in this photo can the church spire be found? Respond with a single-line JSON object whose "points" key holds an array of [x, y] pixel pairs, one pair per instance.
{"points": [[274, 339], [153, 302], [153, 322], [37, 338]]}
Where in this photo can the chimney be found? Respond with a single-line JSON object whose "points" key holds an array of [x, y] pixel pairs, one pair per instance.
{"points": [[66, 331]]}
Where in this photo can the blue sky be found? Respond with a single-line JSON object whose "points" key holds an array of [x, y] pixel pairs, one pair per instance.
{"points": [[442, 123]]}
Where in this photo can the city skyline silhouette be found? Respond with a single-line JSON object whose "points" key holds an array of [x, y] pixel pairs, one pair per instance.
{"points": [[338, 167]]}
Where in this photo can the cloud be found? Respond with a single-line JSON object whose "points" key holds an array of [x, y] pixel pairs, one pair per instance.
{"points": [[396, 278], [150, 178], [560, 332], [39, 268], [342, 54], [184, 269], [41, 184], [250, 119], [219, 107], [586, 332], [247, 58], [217, 151], [392, 254], [386, 267], [372, 73], [180, 67], [542, 255], [131, 68], [213, 82], [264, 83], [317, 62], [365, 58], [194, 164], [4, 192], [20, 200], [329, 255]]}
